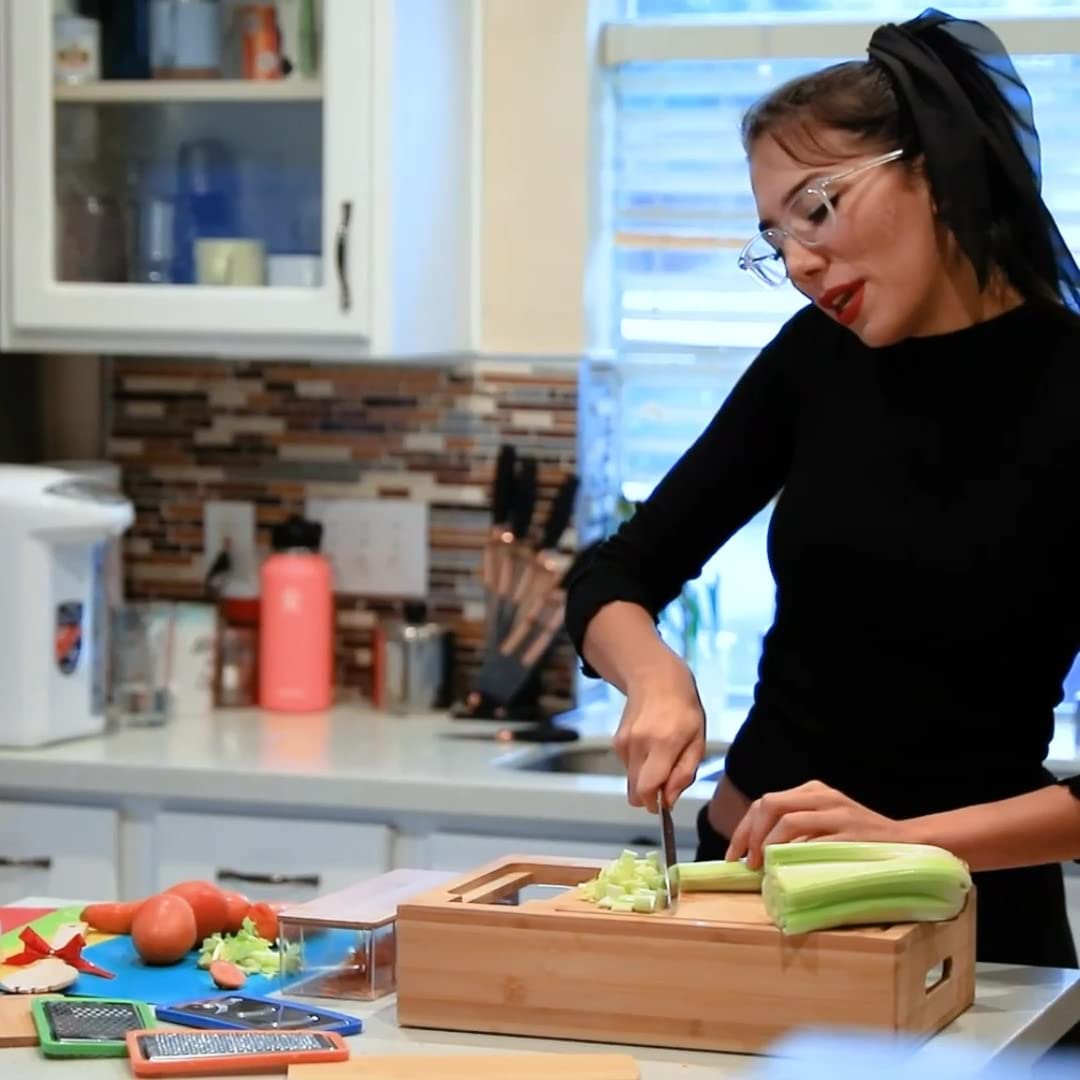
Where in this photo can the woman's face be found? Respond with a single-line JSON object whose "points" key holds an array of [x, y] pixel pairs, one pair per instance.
{"points": [[881, 267]]}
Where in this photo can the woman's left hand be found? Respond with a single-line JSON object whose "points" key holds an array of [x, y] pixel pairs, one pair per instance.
{"points": [[812, 811]]}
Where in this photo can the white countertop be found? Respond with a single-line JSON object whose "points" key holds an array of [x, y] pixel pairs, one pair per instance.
{"points": [[353, 757], [347, 758]]}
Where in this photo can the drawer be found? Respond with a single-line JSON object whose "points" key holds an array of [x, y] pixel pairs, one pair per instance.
{"points": [[269, 858], [67, 852], [465, 851]]}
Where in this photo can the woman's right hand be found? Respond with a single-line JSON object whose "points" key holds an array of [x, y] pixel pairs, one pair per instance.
{"points": [[661, 737]]}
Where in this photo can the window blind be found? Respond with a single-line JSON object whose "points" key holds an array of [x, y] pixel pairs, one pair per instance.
{"points": [[681, 201]]}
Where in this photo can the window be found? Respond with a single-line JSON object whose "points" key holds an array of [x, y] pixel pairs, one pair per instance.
{"points": [[685, 321]]}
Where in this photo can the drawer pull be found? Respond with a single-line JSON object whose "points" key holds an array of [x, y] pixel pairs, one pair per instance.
{"points": [[270, 879], [345, 291], [40, 863]]}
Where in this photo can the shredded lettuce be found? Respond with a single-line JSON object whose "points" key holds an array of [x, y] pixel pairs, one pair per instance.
{"points": [[250, 953]]}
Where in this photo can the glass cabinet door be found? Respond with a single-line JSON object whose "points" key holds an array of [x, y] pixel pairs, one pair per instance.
{"points": [[171, 168], [188, 143]]}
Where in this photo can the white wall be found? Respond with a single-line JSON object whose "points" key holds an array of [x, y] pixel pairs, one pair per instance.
{"points": [[535, 200]]}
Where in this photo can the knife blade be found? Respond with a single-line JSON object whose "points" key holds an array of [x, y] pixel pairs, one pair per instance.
{"points": [[671, 856]]}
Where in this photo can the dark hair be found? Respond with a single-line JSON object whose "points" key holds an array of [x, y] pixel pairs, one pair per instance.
{"points": [[858, 98]]}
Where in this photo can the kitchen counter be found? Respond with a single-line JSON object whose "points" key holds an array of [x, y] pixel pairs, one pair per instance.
{"points": [[354, 757], [346, 759]]}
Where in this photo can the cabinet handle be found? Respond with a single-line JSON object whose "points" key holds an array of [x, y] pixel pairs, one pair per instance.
{"points": [[343, 255], [42, 862], [643, 841], [270, 879]]}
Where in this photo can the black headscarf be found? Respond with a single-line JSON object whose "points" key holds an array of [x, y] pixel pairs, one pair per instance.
{"points": [[973, 116]]}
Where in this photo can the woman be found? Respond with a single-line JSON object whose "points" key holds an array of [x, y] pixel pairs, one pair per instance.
{"points": [[919, 422]]}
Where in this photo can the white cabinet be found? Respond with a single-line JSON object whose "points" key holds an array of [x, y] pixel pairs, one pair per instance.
{"points": [[325, 214], [268, 858], [465, 851], [68, 852]]}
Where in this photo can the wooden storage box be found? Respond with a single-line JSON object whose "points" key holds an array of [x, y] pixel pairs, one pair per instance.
{"points": [[486, 953]]}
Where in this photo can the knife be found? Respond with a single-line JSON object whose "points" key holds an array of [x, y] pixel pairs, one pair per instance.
{"points": [[671, 858], [502, 494], [542, 566], [521, 514]]}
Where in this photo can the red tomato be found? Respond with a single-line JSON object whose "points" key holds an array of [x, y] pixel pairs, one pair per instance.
{"points": [[208, 902], [237, 905], [164, 929], [265, 920]]}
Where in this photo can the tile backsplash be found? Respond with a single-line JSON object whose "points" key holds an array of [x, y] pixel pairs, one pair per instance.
{"points": [[188, 432]]}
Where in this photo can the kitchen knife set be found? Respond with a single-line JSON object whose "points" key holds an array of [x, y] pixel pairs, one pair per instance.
{"points": [[523, 595]]}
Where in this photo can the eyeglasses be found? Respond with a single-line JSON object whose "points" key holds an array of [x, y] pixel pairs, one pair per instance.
{"points": [[809, 217]]}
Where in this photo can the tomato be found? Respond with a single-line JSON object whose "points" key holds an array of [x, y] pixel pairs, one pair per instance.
{"points": [[208, 902], [237, 905], [265, 920], [111, 918], [164, 929], [227, 975]]}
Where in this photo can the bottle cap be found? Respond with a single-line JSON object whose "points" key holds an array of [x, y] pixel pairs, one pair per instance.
{"points": [[415, 612], [296, 532]]}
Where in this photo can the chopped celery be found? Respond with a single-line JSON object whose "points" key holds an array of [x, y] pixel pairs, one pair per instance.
{"points": [[628, 883]]}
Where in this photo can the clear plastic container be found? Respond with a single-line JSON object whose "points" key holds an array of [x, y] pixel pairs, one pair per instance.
{"points": [[346, 942]]}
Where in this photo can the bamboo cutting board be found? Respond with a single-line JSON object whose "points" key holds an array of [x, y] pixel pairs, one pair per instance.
{"points": [[475, 1067], [738, 909], [715, 974]]}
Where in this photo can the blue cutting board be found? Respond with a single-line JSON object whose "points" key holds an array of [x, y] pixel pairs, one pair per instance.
{"points": [[185, 981]]}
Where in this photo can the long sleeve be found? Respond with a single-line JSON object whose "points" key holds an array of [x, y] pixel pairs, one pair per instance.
{"points": [[727, 476]]}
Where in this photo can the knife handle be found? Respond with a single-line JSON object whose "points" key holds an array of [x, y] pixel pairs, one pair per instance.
{"points": [[502, 494], [562, 509], [521, 511]]}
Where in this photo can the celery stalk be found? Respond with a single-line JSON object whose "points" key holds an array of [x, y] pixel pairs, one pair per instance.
{"points": [[718, 875], [838, 851], [888, 909]]}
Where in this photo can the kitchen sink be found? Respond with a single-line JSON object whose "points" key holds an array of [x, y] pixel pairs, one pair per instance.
{"points": [[597, 759]]}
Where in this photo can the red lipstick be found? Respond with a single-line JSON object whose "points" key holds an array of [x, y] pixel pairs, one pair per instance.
{"points": [[843, 302]]}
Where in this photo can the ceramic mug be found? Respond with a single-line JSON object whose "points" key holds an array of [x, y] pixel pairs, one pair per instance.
{"points": [[294, 271], [230, 261]]}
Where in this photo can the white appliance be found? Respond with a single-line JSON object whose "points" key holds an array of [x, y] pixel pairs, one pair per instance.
{"points": [[54, 532]]}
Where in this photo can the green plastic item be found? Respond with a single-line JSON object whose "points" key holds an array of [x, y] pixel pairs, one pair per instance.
{"points": [[87, 1027], [309, 43]]}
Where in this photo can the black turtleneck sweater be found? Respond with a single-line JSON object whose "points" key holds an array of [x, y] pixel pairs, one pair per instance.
{"points": [[923, 545]]}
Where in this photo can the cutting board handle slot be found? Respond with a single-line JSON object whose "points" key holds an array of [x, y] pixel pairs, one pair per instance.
{"points": [[494, 891], [939, 974]]}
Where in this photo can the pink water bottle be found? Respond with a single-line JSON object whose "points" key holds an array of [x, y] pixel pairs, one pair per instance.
{"points": [[296, 647]]}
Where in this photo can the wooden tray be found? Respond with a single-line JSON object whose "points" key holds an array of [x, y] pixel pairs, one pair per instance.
{"points": [[478, 954]]}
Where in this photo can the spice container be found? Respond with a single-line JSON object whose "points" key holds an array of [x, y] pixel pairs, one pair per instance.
{"points": [[344, 945], [236, 666]]}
